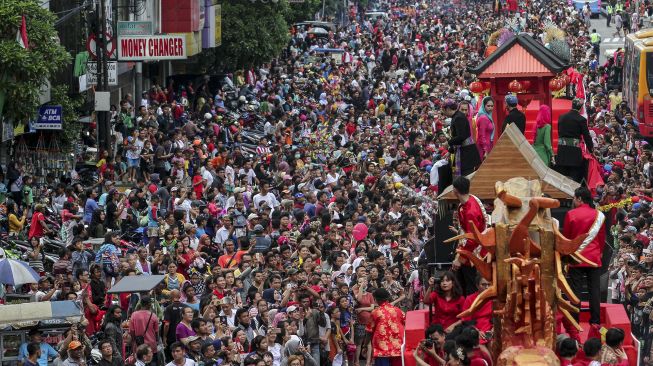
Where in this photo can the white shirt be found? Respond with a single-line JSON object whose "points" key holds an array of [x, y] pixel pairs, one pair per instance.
{"points": [[249, 173], [208, 176], [269, 198], [187, 362], [221, 235]]}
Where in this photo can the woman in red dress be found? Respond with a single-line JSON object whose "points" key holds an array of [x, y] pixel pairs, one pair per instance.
{"points": [[446, 299], [483, 317]]}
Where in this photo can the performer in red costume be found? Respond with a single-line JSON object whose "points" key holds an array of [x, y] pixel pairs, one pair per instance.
{"points": [[584, 218], [470, 209]]}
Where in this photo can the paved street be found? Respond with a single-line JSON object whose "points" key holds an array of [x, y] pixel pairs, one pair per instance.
{"points": [[609, 42]]}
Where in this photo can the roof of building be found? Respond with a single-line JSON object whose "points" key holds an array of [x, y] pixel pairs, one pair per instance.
{"points": [[522, 55], [513, 156]]}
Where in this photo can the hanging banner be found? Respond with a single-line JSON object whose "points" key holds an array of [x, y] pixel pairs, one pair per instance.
{"points": [[218, 25], [152, 48]]}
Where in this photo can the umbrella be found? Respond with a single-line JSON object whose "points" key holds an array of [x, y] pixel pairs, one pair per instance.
{"points": [[318, 31], [13, 272]]}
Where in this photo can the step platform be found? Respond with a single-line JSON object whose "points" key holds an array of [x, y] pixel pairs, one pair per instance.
{"points": [[612, 316]]}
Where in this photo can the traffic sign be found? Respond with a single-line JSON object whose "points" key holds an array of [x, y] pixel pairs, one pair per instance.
{"points": [[49, 118], [109, 45], [91, 73]]}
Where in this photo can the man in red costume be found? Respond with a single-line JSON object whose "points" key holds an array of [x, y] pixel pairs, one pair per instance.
{"points": [[387, 328], [470, 209], [584, 218]]}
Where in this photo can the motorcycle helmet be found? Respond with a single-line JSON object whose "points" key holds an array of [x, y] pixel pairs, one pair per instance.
{"points": [[208, 116]]}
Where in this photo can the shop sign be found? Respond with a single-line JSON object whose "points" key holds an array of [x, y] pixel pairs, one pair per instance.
{"points": [[134, 28], [49, 118], [151, 48], [91, 73]]}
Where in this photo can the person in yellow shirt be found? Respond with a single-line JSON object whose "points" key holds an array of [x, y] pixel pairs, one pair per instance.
{"points": [[615, 100], [15, 224]]}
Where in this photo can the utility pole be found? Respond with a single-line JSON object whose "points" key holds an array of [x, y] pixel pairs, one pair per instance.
{"points": [[138, 74], [104, 127], [102, 133]]}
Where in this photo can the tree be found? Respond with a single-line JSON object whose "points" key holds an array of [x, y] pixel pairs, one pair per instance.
{"points": [[252, 34], [69, 107], [298, 12], [25, 71]]}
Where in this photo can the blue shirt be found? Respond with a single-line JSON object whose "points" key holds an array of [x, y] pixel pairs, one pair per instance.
{"points": [[89, 208], [46, 352]]}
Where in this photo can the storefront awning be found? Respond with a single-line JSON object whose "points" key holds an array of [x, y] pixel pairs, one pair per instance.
{"points": [[37, 311]]}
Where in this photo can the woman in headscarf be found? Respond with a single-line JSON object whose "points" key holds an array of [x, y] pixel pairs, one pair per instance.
{"points": [[485, 127], [348, 270], [542, 143]]}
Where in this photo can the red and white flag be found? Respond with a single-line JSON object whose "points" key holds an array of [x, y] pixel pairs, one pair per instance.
{"points": [[21, 35]]}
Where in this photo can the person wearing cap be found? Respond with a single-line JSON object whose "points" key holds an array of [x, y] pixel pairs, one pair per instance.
{"points": [[75, 351], [514, 115], [45, 350], [387, 328], [467, 158], [572, 126]]}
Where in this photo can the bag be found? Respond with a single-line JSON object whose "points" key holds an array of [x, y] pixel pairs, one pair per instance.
{"points": [[141, 338]]}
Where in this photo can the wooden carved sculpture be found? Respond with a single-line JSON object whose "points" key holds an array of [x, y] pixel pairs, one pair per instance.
{"points": [[525, 270]]}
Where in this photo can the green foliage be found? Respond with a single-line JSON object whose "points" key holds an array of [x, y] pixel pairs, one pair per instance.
{"points": [[71, 127], [24, 71], [299, 12], [252, 34]]}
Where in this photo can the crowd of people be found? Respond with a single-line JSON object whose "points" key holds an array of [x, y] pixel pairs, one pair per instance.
{"points": [[286, 214]]}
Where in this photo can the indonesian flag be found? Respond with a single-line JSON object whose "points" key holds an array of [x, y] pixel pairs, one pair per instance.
{"points": [[21, 35]]}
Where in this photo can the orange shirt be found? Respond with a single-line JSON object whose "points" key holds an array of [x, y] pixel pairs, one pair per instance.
{"points": [[387, 328]]}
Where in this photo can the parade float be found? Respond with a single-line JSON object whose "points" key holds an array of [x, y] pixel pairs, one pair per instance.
{"points": [[527, 257]]}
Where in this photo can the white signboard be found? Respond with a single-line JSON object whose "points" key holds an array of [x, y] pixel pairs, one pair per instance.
{"points": [[91, 73], [102, 101], [152, 48]]}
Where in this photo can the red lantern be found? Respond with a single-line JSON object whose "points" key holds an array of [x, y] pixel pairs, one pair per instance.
{"points": [[515, 86], [524, 100], [486, 85], [527, 85], [476, 87], [566, 78], [554, 84]]}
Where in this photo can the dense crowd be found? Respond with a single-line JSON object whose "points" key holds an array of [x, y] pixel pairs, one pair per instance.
{"points": [[286, 208]]}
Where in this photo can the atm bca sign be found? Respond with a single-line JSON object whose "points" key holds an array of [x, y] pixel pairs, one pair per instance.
{"points": [[151, 48]]}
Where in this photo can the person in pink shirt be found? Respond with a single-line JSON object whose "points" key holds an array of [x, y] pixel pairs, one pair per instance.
{"points": [[485, 127]]}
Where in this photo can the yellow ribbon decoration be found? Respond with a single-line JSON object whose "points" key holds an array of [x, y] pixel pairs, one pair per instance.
{"points": [[620, 204]]}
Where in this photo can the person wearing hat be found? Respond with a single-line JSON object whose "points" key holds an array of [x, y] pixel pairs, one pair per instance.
{"points": [[467, 158], [75, 354], [43, 352], [514, 115], [572, 126], [387, 328]]}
